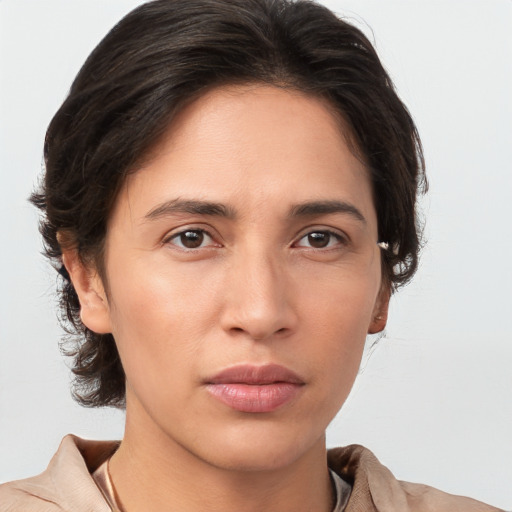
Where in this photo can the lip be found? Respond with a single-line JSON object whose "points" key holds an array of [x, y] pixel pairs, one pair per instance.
{"points": [[255, 389]]}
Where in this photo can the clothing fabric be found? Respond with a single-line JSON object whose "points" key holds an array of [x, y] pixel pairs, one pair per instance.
{"points": [[102, 478], [67, 484], [342, 492]]}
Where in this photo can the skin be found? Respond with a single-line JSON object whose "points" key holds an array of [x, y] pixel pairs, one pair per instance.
{"points": [[255, 287]]}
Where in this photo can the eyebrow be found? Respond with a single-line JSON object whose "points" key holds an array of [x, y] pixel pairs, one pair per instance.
{"points": [[199, 207], [313, 208], [192, 206]]}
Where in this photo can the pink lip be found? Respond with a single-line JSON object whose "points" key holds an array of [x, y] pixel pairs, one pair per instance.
{"points": [[248, 388]]}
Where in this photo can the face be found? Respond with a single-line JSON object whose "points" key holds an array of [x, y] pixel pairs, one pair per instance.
{"points": [[243, 276]]}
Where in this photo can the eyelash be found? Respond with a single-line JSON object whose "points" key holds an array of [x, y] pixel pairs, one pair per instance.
{"points": [[200, 231], [341, 240]]}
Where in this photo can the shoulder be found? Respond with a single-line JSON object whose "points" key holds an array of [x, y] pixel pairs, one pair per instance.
{"points": [[66, 485], [375, 489], [422, 497], [27, 496]]}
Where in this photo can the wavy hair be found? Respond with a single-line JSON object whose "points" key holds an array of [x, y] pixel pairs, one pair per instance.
{"points": [[160, 57]]}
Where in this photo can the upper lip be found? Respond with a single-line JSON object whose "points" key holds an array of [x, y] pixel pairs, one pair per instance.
{"points": [[255, 375]]}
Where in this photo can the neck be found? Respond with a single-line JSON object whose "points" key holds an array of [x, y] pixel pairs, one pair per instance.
{"points": [[153, 473]]}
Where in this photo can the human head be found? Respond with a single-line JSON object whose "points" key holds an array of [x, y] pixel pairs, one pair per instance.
{"points": [[160, 58]]}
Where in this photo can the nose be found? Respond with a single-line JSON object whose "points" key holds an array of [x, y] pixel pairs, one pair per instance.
{"points": [[259, 298]]}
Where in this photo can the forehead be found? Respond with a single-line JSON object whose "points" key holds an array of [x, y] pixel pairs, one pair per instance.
{"points": [[255, 145], [251, 115]]}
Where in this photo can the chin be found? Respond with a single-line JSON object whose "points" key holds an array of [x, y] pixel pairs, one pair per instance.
{"points": [[252, 460]]}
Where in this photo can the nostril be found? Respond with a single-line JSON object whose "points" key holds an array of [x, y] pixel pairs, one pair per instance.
{"points": [[258, 335]]}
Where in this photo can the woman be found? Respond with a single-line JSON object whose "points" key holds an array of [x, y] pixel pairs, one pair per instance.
{"points": [[230, 196]]}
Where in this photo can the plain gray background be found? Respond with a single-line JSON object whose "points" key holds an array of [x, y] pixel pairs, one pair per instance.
{"points": [[434, 401]]}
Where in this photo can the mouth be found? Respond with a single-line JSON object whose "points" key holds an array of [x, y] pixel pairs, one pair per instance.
{"points": [[255, 389]]}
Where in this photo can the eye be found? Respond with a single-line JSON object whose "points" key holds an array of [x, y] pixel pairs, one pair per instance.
{"points": [[191, 239], [321, 239]]}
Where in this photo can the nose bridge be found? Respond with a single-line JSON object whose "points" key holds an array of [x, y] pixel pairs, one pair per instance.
{"points": [[258, 294]]}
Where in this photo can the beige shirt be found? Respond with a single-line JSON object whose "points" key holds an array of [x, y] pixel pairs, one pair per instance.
{"points": [[67, 484]]}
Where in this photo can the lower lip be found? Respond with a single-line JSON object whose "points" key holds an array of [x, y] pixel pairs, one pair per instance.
{"points": [[254, 398]]}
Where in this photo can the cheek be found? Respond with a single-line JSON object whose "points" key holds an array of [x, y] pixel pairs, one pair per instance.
{"points": [[338, 313], [342, 301], [337, 346], [159, 320], [155, 296]]}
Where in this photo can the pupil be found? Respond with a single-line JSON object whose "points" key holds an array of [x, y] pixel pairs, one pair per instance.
{"points": [[318, 240], [192, 239]]}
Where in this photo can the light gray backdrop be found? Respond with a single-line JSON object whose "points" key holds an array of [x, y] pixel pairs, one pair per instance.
{"points": [[435, 400]]}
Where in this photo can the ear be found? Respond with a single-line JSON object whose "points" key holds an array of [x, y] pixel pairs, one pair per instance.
{"points": [[94, 308], [380, 310]]}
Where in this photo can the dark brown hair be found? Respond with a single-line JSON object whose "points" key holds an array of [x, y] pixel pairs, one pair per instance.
{"points": [[161, 56]]}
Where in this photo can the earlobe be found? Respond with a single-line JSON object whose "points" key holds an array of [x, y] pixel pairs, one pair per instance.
{"points": [[94, 308], [380, 311]]}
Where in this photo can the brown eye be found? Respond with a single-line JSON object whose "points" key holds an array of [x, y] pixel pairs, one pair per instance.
{"points": [[321, 240], [191, 239]]}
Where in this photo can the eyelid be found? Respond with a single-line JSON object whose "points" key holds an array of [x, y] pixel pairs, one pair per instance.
{"points": [[175, 233], [342, 238]]}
